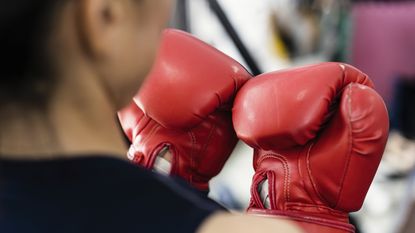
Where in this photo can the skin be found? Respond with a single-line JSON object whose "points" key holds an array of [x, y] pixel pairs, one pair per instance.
{"points": [[100, 51], [97, 48]]}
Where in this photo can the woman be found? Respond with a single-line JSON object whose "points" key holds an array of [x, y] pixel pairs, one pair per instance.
{"points": [[67, 67]]}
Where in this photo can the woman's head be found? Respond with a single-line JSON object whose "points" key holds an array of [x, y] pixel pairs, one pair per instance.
{"points": [[43, 42]]}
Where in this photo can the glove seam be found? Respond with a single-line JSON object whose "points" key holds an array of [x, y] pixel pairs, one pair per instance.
{"points": [[209, 138], [192, 152], [219, 100], [205, 146], [343, 68], [304, 177], [287, 175], [271, 192], [236, 86], [313, 183], [255, 199], [137, 129], [293, 206], [350, 142], [175, 159], [150, 162]]}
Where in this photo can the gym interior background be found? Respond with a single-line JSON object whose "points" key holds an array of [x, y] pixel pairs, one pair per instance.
{"points": [[377, 37]]}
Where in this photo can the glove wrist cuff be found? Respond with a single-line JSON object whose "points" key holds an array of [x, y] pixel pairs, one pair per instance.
{"points": [[311, 224], [177, 166]]}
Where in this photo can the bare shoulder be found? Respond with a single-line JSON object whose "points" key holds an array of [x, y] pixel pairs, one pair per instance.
{"points": [[240, 223]]}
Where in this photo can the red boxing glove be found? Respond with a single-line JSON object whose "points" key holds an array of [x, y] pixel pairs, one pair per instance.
{"points": [[185, 106], [319, 133]]}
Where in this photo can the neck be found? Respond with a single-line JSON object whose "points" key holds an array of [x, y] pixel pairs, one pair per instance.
{"points": [[73, 125]]}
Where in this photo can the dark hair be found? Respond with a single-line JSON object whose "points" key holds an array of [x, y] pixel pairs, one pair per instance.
{"points": [[24, 25]]}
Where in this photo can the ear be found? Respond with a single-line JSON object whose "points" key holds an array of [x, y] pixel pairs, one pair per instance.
{"points": [[97, 23]]}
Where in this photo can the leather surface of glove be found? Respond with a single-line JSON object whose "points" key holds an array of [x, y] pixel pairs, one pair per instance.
{"points": [[318, 134], [185, 106]]}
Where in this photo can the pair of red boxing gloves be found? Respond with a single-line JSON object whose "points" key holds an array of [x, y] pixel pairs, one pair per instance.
{"points": [[318, 132]]}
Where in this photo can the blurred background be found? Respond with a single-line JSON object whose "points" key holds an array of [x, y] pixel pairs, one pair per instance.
{"points": [[378, 37]]}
